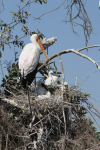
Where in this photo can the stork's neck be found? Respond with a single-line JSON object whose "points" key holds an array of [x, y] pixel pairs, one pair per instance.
{"points": [[50, 75], [33, 40], [35, 43]]}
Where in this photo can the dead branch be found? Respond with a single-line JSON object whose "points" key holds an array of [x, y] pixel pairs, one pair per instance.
{"points": [[93, 118], [81, 15], [11, 102], [43, 74], [76, 51], [50, 11], [7, 91], [62, 71], [93, 148], [48, 42]]}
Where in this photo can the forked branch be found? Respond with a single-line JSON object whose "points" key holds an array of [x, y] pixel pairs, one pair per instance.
{"points": [[76, 51]]}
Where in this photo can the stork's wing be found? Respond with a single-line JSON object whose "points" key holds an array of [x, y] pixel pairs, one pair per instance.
{"points": [[29, 58]]}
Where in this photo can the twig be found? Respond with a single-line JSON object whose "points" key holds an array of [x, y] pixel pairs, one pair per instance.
{"points": [[55, 67], [42, 119], [9, 101], [50, 11], [6, 142], [87, 78], [62, 72], [7, 90], [87, 47], [29, 102], [93, 118], [81, 14], [18, 90], [88, 103], [2, 129], [92, 148], [62, 91], [43, 73], [1, 68], [95, 113]]}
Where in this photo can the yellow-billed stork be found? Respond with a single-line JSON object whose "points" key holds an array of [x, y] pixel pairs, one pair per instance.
{"points": [[29, 59]]}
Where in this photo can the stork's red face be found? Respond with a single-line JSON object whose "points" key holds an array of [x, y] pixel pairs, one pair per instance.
{"points": [[41, 46]]}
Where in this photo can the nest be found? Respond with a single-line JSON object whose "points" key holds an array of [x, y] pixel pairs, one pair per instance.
{"points": [[34, 123]]}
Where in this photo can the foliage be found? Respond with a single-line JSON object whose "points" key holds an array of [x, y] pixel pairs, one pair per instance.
{"points": [[91, 124], [11, 82], [43, 1], [21, 18]]}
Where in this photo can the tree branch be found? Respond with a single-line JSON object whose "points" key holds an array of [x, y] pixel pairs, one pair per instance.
{"points": [[48, 42], [50, 11], [76, 51], [62, 72]]}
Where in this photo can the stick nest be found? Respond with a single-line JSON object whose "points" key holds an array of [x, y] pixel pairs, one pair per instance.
{"points": [[55, 123]]}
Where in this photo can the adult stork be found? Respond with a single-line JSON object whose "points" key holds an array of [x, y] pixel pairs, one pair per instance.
{"points": [[29, 60]]}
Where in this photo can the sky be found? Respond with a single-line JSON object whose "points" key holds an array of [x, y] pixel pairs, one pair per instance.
{"points": [[52, 25]]}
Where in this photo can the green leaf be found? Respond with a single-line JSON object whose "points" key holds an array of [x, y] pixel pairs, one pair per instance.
{"points": [[3, 47], [18, 13], [3, 80], [9, 30], [40, 2], [8, 70], [26, 13], [45, 1], [16, 37], [13, 65], [16, 42], [24, 21], [6, 77], [14, 14]]}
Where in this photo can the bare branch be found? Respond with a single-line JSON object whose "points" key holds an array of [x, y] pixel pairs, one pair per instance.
{"points": [[43, 74], [93, 118], [62, 72], [50, 11], [81, 14], [7, 91], [76, 51], [48, 42]]}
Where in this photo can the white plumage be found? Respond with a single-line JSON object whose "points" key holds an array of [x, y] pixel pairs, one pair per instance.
{"points": [[99, 4], [41, 90], [30, 56], [63, 87], [29, 59], [52, 79]]}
